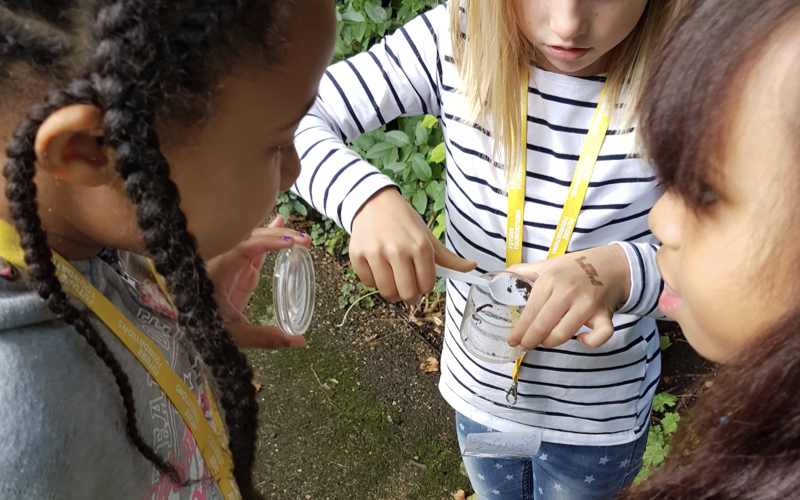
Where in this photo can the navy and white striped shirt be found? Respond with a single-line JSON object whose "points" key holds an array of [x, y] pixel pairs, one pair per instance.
{"points": [[576, 394]]}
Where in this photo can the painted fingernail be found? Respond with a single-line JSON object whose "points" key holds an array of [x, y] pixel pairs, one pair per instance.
{"points": [[303, 235], [286, 238]]}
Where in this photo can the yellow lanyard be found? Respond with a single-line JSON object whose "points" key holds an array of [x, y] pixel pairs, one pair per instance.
{"points": [[213, 446], [577, 190]]}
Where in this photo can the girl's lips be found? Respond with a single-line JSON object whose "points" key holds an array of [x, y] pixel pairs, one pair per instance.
{"points": [[669, 300], [564, 54]]}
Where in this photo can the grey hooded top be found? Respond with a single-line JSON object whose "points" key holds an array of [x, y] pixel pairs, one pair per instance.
{"points": [[62, 421]]}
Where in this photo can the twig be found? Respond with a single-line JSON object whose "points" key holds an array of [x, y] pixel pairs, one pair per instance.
{"points": [[351, 306], [433, 218], [323, 392]]}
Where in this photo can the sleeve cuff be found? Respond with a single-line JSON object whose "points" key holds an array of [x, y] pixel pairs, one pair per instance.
{"points": [[645, 280]]}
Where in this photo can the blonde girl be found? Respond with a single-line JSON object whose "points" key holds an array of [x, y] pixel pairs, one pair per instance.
{"points": [[586, 383]]}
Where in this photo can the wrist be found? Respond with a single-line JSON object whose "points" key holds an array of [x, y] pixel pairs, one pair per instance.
{"points": [[383, 198]]}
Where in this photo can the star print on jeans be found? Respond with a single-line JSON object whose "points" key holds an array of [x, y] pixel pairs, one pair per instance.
{"points": [[557, 487], [589, 479], [509, 477], [480, 476], [462, 426], [540, 491], [624, 463], [498, 466], [543, 457], [604, 460], [495, 492]]}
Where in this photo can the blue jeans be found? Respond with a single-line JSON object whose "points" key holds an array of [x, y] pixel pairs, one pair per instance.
{"points": [[558, 471]]}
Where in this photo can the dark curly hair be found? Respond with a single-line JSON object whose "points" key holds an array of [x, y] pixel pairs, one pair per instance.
{"points": [[741, 440], [139, 62]]}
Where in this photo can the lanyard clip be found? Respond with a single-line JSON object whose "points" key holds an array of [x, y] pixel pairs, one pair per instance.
{"points": [[511, 394]]}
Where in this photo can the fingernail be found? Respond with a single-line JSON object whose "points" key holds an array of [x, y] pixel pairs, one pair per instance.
{"points": [[513, 343], [303, 235], [286, 238]]}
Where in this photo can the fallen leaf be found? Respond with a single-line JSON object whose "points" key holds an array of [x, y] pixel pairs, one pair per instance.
{"points": [[429, 366], [327, 390], [459, 495], [474, 496], [370, 338], [257, 386]]}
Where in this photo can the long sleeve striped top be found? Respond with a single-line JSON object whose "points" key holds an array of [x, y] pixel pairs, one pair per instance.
{"points": [[575, 394]]}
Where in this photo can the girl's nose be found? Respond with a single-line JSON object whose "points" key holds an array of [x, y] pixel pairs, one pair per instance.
{"points": [[570, 18], [666, 220]]}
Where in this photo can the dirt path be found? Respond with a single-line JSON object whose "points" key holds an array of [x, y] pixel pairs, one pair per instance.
{"points": [[384, 434], [382, 431]]}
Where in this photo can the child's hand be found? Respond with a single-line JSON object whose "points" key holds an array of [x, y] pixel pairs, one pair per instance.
{"points": [[235, 275], [573, 290], [392, 249]]}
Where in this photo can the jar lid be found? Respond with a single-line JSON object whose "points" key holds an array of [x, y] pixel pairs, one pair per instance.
{"points": [[293, 291]]}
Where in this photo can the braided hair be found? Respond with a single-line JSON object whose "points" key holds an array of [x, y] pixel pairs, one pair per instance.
{"points": [[138, 61]]}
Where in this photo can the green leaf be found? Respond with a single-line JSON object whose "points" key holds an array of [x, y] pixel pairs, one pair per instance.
{"points": [[439, 199], [654, 455], [299, 207], [333, 381], [670, 423], [390, 156], [396, 166], [662, 400], [665, 342], [358, 30], [429, 121], [342, 302], [431, 189], [378, 150], [364, 142], [375, 12], [440, 226], [421, 168], [406, 152], [422, 136], [397, 138], [441, 285], [367, 303], [407, 190], [353, 16], [437, 154], [285, 210], [420, 202], [347, 35]]}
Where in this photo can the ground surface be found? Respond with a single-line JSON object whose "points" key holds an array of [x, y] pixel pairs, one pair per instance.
{"points": [[381, 431]]}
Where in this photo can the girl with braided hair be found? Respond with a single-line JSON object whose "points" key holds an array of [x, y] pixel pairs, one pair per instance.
{"points": [[142, 128]]}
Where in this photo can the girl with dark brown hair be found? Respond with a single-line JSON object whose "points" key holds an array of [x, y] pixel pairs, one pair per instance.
{"points": [[720, 121], [133, 129]]}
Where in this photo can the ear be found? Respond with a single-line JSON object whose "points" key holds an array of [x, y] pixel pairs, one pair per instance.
{"points": [[69, 146]]}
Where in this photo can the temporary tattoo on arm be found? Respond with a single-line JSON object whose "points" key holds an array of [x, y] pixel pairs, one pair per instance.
{"points": [[590, 271]]}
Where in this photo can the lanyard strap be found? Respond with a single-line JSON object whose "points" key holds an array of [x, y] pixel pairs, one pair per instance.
{"points": [[215, 454], [577, 189]]}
